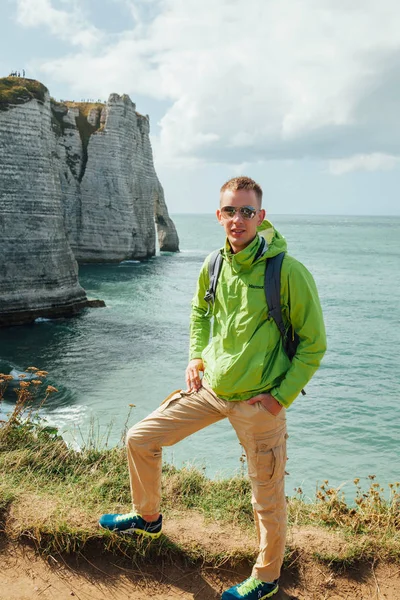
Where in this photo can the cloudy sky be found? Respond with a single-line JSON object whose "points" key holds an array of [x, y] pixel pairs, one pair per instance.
{"points": [[302, 95]]}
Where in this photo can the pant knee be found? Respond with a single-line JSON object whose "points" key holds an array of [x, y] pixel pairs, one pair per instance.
{"points": [[133, 439], [139, 441]]}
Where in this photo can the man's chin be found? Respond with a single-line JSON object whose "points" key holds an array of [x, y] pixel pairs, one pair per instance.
{"points": [[237, 237], [237, 244]]}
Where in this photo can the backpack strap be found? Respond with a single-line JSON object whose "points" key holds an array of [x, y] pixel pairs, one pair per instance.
{"points": [[272, 288], [214, 268]]}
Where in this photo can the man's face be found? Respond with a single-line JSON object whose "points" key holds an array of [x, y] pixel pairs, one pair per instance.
{"points": [[240, 231]]}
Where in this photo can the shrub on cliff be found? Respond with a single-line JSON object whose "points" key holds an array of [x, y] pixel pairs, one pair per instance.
{"points": [[18, 90]]}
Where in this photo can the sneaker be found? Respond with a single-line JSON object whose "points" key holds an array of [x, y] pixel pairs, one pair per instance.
{"points": [[131, 523], [251, 589]]}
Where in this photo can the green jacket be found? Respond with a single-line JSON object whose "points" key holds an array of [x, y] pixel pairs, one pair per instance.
{"points": [[244, 356]]}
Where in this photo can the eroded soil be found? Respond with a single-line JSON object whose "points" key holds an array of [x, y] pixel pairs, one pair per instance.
{"points": [[24, 574]]}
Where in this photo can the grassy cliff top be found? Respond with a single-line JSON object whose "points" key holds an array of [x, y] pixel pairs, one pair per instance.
{"points": [[84, 107], [18, 90], [52, 496]]}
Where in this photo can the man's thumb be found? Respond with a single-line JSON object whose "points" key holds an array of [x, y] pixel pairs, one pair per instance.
{"points": [[252, 400]]}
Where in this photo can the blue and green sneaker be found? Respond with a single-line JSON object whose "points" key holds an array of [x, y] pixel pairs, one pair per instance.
{"points": [[251, 589], [131, 523]]}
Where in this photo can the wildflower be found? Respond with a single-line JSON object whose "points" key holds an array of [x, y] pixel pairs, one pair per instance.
{"points": [[50, 389], [24, 384], [372, 477], [41, 373], [132, 405], [22, 376], [356, 481], [32, 369], [36, 381]]}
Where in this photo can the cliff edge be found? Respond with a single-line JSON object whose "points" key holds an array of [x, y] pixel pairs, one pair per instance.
{"points": [[77, 184], [38, 271]]}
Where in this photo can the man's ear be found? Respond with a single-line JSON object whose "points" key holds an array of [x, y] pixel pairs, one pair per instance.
{"points": [[219, 216], [261, 216]]}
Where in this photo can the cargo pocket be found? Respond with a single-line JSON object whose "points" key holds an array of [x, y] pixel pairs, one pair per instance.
{"points": [[266, 456], [172, 398]]}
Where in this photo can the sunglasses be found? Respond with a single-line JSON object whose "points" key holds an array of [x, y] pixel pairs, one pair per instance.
{"points": [[247, 212]]}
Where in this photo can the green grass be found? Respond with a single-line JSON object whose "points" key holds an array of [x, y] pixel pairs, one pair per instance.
{"points": [[56, 495], [221, 500], [53, 495], [18, 90]]}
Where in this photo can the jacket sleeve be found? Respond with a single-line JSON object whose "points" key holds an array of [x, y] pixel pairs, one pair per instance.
{"points": [[200, 317], [305, 315]]}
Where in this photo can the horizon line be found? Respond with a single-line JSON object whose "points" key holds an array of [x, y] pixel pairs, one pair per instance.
{"points": [[297, 214]]}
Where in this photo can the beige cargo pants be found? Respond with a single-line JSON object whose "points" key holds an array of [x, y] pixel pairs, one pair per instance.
{"points": [[263, 437]]}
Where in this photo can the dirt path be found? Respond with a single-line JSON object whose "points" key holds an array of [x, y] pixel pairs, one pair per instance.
{"points": [[26, 575]]}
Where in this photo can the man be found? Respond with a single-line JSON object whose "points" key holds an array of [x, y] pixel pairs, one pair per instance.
{"points": [[247, 377]]}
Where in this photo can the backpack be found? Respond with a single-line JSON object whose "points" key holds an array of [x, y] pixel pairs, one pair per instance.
{"points": [[272, 287]]}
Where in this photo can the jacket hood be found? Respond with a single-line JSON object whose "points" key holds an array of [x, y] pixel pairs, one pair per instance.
{"points": [[276, 243], [246, 258]]}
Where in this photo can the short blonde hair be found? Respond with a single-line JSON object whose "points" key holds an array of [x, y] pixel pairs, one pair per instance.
{"points": [[243, 183]]}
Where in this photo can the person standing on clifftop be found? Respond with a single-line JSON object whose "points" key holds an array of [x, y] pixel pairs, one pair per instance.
{"points": [[247, 378]]}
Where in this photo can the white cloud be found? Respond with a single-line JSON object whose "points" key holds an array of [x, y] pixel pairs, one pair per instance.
{"points": [[249, 80], [70, 26], [364, 162]]}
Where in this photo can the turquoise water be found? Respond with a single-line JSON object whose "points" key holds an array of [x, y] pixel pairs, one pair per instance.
{"points": [[135, 350]]}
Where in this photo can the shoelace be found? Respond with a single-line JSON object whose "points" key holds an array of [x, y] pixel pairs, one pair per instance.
{"points": [[126, 517], [249, 585]]}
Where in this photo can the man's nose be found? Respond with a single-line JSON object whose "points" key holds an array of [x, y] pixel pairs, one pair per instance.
{"points": [[237, 216]]}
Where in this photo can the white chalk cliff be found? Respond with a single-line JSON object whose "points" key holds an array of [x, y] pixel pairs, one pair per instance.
{"points": [[110, 189], [77, 183]]}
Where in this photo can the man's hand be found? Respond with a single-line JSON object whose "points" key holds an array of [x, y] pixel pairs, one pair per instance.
{"points": [[268, 402], [192, 374]]}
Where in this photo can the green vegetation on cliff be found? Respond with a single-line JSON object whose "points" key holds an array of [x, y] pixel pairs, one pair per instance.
{"points": [[18, 90], [85, 128], [53, 495]]}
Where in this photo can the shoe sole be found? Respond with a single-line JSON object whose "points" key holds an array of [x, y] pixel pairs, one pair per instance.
{"points": [[275, 591], [141, 532], [270, 594]]}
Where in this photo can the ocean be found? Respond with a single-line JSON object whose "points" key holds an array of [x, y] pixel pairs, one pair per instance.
{"points": [[134, 351]]}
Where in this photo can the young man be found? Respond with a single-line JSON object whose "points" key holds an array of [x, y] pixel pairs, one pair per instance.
{"points": [[247, 378]]}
